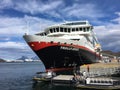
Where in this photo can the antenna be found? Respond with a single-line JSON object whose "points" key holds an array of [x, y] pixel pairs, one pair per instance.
{"points": [[27, 27]]}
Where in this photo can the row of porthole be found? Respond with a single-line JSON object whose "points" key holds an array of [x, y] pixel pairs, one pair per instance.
{"points": [[59, 43], [94, 81]]}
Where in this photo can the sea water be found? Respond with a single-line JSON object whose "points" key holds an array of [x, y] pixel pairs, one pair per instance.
{"points": [[18, 76]]}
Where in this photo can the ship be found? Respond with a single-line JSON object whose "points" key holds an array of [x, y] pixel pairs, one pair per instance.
{"points": [[66, 45]]}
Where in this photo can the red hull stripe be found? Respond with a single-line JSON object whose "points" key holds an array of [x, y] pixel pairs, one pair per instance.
{"points": [[40, 45], [59, 69]]}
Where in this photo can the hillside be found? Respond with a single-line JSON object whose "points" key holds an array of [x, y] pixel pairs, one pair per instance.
{"points": [[2, 60], [112, 53]]}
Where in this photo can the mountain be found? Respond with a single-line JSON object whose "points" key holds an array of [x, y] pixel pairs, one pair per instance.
{"points": [[23, 58], [26, 59], [2, 60], [111, 53], [35, 58]]}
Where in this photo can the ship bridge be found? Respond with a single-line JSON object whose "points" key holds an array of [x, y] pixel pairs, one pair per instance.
{"points": [[70, 28]]}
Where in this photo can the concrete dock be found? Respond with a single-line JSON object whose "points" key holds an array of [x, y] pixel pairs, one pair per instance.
{"points": [[99, 76], [88, 83], [102, 69]]}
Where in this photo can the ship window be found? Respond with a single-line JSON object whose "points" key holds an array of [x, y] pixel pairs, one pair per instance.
{"points": [[95, 81], [91, 81], [73, 29], [76, 29], [58, 43], [80, 29], [109, 81], [57, 29], [98, 81], [42, 34], [45, 34], [65, 43], [106, 81], [71, 43], [87, 28], [68, 29], [51, 42], [102, 81], [84, 29], [51, 30], [65, 29], [54, 29], [61, 29], [75, 39]]}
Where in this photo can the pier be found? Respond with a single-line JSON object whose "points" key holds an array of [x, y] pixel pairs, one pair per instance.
{"points": [[102, 69], [99, 76]]}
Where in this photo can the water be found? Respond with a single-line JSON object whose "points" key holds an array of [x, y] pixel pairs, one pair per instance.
{"points": [[18, 76]]}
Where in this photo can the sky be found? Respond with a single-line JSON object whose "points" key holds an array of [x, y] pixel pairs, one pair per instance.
{"points": [[20, 16]]}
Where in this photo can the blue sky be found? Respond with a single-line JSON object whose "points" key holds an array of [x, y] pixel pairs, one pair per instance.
{"points": [[15, 15]]}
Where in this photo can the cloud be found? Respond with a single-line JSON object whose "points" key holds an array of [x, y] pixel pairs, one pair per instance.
{"points": [[33, 7], [4, 38], [83, 10], [6, 4], [117, 19], [37, 6], [12, 45], [12, 29], [13, 50], [18, 26], [109, 35], [56, 9]]}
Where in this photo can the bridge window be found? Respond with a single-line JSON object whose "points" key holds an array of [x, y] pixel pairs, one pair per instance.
{"points": [[45, 33], [73, 29], [65, 29], [80, 29], [54, 29], [87, 28], [61, 29], [68, 29], [76, 29], [57, 29], [51, 30], [84, 29], [75, 39]]}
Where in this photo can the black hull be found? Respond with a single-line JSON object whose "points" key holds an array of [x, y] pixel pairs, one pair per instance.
{"points": [[55, 57]]}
